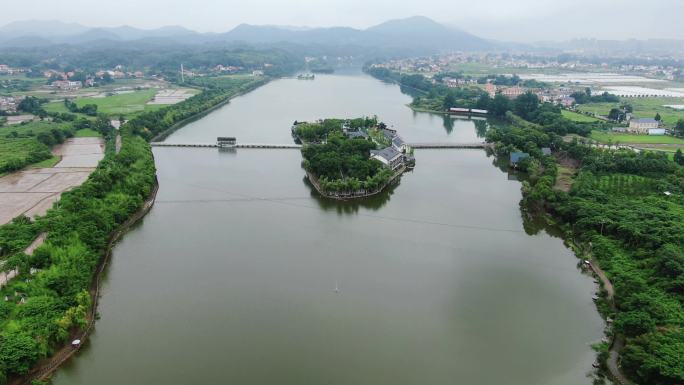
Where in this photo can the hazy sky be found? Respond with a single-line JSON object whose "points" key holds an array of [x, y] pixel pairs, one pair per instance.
{"points": [[521, 20]]}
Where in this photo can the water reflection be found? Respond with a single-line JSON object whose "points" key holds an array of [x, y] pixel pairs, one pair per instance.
{"points": [[481, 127], [448, 123], [352, 206]]}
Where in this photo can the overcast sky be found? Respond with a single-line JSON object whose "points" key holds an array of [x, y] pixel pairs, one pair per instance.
{"points": [[514, 20]]}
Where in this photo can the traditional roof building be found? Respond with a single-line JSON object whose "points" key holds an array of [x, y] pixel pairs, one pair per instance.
{"points": [[388, 156], [642, 125]]}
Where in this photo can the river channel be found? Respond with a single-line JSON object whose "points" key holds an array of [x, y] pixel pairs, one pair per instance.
{"points": [[232, 276]]}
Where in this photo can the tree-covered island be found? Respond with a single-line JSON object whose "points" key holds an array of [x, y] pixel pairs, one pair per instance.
{"points": [[351, 158]]}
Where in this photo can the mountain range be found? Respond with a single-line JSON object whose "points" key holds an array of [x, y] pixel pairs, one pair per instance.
{"points": [[411, 36], [411, 33]]}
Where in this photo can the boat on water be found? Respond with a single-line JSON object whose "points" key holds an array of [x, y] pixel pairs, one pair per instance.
{"points": [[306, 76]]}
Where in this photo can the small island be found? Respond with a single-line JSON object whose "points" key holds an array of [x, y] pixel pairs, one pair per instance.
{"points": [[352, 158]]}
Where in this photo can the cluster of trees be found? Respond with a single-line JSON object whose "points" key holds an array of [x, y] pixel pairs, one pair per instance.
{"points": [[14, 85], [45, 306], [679, 127], [88, 109], [29, 143], [318, 132], [500, 80], [32, 105], [587, 97], [344, 165], [618, 208]]}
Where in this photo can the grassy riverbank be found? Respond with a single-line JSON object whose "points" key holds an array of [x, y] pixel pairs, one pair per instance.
{"points": [[624, 208], [49, 302], [618, 209]]}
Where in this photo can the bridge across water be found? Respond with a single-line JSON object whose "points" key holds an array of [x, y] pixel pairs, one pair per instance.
{"points": [[444, 145], [241, 145]]}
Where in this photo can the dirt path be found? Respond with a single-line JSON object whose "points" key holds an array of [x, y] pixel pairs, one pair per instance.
{"points": [[618, 341]]}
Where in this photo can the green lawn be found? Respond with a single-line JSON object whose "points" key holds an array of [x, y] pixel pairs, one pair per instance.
{"points": [[16, 151], [605, 137], [51, 162], [120, 104], [580, 118], [643, 108], [18, 141], [87, 133]]}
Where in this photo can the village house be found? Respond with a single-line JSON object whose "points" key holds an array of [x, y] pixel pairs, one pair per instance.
{"points": [[6, 69], [8, 103], [399, 144], [389, 156], [517, 156], [66, 85], [567, 101], [356, 134], [512, 92], [490, 89], [642, 125]]}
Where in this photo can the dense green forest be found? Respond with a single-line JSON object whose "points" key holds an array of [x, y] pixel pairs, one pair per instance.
{"points": [[318, 131], [341, 164], [625, 209], [50, 298]]}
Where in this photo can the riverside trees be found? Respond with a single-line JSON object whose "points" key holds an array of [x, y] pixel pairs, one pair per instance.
{"points": [[50, 299]]}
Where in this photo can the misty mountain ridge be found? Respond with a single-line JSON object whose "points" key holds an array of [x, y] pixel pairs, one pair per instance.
{"points": [[414, 33], [417, 35]]}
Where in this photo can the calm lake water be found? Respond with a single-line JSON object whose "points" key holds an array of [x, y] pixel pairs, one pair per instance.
{"points": [[231, 277]]}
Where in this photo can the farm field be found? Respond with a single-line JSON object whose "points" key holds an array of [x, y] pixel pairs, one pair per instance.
{"points": [[86, 133], [605, 137], [20, 147], [33, 191], [576, 117], [120, 104], [643, 108]]}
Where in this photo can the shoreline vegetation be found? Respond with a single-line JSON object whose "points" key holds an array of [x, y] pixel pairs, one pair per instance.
{"points": [[622, 209], [351, 158], [53, 299]]}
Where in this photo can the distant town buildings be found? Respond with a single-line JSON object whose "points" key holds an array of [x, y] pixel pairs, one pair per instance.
{"points": [[7, 70], [229, 69], [512, 92], [9, 103], [67, 85], [490, 89]]}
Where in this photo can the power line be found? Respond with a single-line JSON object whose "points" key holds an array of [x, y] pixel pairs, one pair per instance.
{"points": [[288, 201]]}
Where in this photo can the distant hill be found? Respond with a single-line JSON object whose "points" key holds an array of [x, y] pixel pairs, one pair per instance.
{"points": [[412, 35], [420, 30], [42, 32]]}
